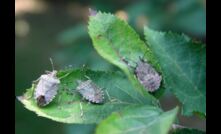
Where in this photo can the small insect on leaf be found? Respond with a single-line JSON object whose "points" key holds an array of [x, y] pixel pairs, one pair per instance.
{"points": [[46, 88], [90, 91], [147, 76]]}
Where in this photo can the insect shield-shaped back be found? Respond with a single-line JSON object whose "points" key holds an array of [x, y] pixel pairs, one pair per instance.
{"points": [[147, 76], [46, 88], [90, 91]]}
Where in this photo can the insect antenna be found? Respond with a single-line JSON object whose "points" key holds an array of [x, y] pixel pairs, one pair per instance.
{"points": [[142, 58], [83, 70], [126, 61], [52, 64]]}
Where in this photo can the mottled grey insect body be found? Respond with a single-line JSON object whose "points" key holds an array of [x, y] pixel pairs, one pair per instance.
{"points": [[147, 76], [46, 88], [90, 91]]}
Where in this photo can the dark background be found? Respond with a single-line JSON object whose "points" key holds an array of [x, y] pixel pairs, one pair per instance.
{"points": [[58, 29]]}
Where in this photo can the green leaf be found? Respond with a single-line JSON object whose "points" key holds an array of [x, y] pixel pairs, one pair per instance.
{"points": [[183, 65], [80, 128], [187, 131], [66, 106], [116, 41], [134, 120]]}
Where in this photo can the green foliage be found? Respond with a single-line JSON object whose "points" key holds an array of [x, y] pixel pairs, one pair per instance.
{"points": [[80, 128], [146, 119], [66, 106], [183, 64], [128, 107], [118, 43]]}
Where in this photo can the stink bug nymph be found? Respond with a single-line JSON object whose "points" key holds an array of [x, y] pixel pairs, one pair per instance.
{"points": [[90, 91], [146, 75], [46, 88]]}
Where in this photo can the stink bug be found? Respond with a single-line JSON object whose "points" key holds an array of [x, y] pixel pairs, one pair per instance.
{"points": [[46, 88], [146, 75], [90, 91]]}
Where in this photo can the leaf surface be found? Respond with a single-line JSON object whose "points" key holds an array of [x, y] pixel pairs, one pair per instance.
{"points": [[68, 105], [138, 120], [183, 64], [119, 44]]}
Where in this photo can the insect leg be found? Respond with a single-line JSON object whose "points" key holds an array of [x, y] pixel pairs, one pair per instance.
{"points": [[32, 92], [127, 62], [81, 108], [64, 75], [59, 99], [36, 81], [87, 77], [109, 98], [108, 95]]}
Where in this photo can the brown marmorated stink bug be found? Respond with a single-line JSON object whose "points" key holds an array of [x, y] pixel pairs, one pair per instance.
{"points": [[90, 91], [146, 75], [46, 88]]}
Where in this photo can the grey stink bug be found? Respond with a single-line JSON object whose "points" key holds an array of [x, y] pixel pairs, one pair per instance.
{"points": [[90, 91], [46, 88], [147, 75]]}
